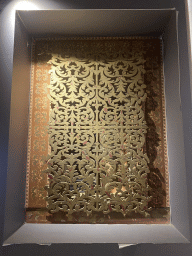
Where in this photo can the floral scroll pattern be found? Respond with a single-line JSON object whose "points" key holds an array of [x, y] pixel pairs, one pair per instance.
{"points": [[97, 128], [38, 134]]}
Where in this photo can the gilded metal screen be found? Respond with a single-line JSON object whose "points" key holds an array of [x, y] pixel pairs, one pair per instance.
{"points": [[96, 127]]}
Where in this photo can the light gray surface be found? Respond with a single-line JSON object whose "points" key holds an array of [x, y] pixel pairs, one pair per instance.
{"points": [[96, 233], [18, 131], [175, 143], [6, 53]]}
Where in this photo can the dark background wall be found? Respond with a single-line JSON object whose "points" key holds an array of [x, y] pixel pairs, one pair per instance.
{"points": [[6, 61]]}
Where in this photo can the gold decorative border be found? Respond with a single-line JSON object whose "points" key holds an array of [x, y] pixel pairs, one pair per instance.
{"points": [[164, 127], [96, 38], [30, 124]]}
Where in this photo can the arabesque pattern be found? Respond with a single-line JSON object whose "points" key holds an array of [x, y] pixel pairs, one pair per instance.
{"points": [[97, 128]]}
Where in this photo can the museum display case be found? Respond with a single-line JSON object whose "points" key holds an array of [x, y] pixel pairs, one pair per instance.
{"points": [[99, 110]]}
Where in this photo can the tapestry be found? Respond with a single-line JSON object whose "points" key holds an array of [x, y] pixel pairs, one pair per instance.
{"points": [[97, 132]]}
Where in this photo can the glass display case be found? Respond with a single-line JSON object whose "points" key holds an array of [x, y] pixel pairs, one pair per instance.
{"points": [[100, 140]]}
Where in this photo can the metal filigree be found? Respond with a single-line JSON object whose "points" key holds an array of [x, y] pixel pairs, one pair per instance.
{"points": [[97, 130]]}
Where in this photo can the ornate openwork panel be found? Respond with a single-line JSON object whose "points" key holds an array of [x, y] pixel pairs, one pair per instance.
{"points": [[98, 135]]}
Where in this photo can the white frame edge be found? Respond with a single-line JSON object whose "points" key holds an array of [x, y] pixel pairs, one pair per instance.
{"points": [[86, 233]]}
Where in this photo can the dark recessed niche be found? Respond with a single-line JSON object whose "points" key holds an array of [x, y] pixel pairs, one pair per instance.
{"points": [[38, 24]]}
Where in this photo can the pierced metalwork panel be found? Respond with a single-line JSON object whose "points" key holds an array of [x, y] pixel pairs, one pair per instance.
{"points": [[97, 131]]}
